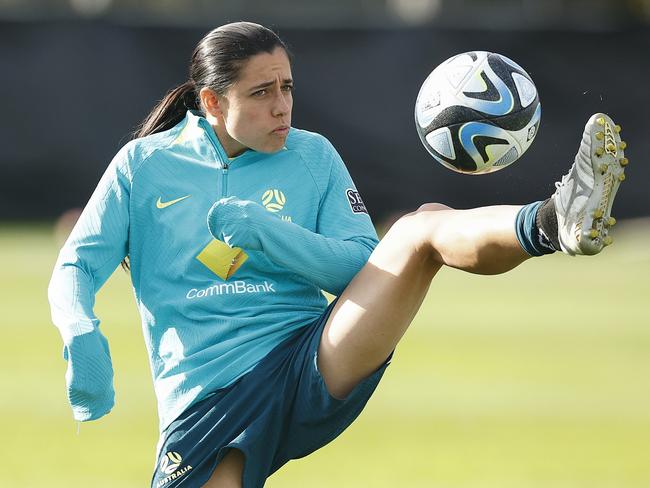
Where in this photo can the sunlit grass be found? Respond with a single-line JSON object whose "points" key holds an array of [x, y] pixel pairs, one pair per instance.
{"points": [[537, 378]]}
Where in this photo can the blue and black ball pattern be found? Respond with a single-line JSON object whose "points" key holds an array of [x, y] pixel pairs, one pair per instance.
{"points": [[486, 118]]}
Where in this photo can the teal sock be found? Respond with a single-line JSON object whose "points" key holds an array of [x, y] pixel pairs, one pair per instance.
{"points": [[531, 238]]}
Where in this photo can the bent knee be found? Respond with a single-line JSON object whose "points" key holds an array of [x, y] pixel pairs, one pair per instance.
{"points": [[420, 221], [413, 230], [432, 207]]}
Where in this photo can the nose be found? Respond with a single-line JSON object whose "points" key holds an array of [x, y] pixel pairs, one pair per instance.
{"points": [[281, 103]]}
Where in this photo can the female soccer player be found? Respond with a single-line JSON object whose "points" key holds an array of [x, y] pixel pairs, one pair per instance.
{"points": [[251, 368]]}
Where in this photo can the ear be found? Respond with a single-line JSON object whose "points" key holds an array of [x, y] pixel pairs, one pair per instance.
{"points": [[210, 102]]}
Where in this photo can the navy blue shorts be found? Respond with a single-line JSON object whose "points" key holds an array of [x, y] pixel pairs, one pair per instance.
{"points": [[280, 410]]}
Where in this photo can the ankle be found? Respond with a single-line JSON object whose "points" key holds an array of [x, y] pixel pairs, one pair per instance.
{"points": [[546, 221], [532, 237]]}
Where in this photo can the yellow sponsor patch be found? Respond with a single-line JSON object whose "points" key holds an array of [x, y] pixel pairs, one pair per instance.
{"points": [[222, 259]]}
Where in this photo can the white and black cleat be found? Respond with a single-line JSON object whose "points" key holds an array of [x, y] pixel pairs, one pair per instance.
{"points": [[583, 199]]}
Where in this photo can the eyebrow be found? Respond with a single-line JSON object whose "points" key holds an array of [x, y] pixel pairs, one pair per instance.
{"points": [[266, 84]]}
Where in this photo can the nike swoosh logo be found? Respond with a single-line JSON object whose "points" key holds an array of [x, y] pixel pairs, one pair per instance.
{"points": [[161, 204]]}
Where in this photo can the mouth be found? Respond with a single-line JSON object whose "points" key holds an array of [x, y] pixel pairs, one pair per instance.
{"points": [[281, 130]]}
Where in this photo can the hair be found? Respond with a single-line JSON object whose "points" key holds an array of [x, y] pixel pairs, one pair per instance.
{"points": [[216, 63]]}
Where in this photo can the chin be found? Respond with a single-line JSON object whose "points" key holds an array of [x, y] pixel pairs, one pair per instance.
{"points": [[273, 148]]}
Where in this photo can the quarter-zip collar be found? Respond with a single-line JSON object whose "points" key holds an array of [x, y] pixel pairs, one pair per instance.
{"points": [[196, 121]]}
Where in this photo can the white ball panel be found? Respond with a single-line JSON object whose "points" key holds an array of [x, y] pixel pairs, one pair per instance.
{"points": [[440, 140], [527, 91]]}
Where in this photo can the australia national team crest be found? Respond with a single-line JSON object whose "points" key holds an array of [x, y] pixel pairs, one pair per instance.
{"points": [[171, 468], [274, 201], [354, 199]]}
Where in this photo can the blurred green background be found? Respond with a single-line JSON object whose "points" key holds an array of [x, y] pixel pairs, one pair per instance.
{"points": [[537, 378]]}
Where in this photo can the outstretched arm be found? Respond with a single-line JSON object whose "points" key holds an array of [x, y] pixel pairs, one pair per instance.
{"points": [[95, 247]]}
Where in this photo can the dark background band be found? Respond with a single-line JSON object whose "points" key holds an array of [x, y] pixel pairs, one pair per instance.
{"points": [[73, 90]]}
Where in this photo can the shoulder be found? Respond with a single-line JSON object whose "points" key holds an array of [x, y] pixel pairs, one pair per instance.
{"points": [[317, 154], [137, 152], [309, 144]]}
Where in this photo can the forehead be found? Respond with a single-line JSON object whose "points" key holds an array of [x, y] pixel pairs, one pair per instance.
{"points": [[264, 67]]}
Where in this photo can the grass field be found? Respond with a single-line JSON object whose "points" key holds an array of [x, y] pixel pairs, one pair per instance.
{"points": [[538, 378]]}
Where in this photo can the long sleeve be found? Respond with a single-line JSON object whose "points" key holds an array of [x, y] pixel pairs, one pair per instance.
{"points": [[94, 249], [329, 257]]}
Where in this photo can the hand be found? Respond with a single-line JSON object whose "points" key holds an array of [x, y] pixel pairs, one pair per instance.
{"points": [[89, 377], [238, 222]]}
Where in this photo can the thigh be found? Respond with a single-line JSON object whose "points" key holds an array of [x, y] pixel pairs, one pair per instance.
{"points": [[377, 307], [228, 473]]}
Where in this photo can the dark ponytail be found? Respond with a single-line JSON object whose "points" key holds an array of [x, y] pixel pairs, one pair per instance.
{"points": [[216, 63], [170, 110]]}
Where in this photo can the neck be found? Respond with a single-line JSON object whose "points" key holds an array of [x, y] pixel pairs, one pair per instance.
{"points": [[232, 147]]}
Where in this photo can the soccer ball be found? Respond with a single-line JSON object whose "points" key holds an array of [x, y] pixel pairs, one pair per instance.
{"points": [[477, 112]]}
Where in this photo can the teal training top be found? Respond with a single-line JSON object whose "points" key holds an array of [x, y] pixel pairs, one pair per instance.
{"points": [[294, 223]]}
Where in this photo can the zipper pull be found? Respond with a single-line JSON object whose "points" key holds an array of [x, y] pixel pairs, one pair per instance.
{"points": [[224, 168]]}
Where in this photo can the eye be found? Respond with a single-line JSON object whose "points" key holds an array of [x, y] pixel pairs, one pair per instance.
{"points": [[259, 93], [287, 88]]}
